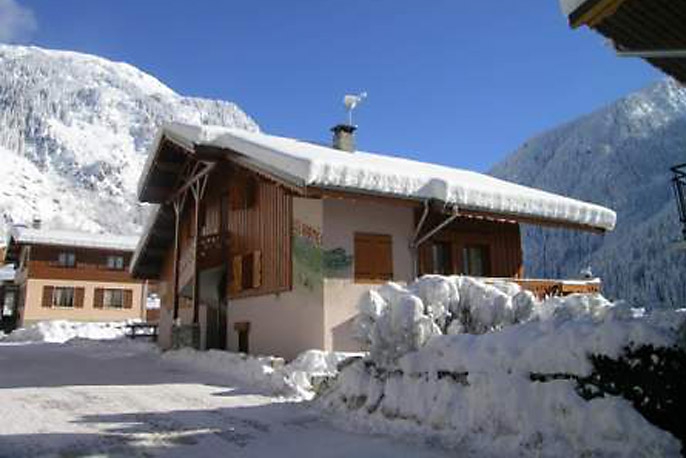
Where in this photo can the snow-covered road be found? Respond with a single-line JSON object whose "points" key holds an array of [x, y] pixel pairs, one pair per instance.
{"points": [[112, 399]]}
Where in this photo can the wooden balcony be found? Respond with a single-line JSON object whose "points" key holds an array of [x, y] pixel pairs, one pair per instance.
{"points": [[543, 288], [212, 252], [81, 271]]}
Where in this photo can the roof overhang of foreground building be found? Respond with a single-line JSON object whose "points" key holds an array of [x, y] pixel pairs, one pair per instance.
{"points": [[651, 29]]}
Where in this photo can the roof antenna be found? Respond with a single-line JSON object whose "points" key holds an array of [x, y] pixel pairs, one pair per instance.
{"points": [[351, 101]]}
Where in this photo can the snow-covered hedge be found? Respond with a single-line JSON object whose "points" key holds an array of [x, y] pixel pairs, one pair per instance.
{"points": [[61, 331], [492, 369]]}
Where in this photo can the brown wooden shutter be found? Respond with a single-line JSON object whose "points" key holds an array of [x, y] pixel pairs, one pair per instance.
{"points": [[47, 296], [237, 274], [373, 257], [78, 297], [256, 269], [128, 299], [98, 298]]}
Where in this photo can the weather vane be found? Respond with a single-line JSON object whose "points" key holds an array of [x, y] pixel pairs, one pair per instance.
{"points": [[351, 102]]}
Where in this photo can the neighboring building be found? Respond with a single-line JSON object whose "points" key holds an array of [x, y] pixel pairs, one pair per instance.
{"points": [[74, 276], [8, 297], [265, 244]]}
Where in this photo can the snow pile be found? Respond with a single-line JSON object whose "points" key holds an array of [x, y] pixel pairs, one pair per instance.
{"points": [[267, 373], [490, 369], [312, 367], [61, 331]]}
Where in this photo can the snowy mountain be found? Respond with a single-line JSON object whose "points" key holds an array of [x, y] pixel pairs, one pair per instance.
{"points": [[74, 131], [618, 156]]}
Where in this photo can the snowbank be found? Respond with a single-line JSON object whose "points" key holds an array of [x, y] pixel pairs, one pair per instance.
{"points": [[491, 369], [60, 331], [294, 380]]}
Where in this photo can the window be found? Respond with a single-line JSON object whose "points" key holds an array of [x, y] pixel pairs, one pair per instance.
{"points": [[66, 259], [442, 258], [373, 257], [113, 298], [476, 260], [246, 272], [115, 262], [63, 297]]}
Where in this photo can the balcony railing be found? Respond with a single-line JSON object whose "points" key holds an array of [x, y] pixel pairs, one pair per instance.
{"points": [[543, 288], [679, 186]]}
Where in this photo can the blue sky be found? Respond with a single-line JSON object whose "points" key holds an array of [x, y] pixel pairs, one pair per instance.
{"points": [[454, 82]]}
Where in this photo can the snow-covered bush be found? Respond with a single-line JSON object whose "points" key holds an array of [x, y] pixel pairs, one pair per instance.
{"points": [[394, 320], [491, 369]]}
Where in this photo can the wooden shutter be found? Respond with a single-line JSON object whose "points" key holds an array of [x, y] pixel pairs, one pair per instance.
{"points": [[47, 296], [98, 298], [78, 297], [128, 299], [256, 269], [236, 274], [373, 257]]}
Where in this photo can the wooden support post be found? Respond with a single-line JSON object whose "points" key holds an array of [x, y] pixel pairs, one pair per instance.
{"points": [[198, 190], [177, 220], [196, 280]]}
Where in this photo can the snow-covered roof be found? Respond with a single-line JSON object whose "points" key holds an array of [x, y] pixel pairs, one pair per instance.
{"points": [[309, 164], [26, 235]]}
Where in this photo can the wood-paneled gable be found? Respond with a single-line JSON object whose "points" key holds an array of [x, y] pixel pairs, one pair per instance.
{"points": [[244, 225]]}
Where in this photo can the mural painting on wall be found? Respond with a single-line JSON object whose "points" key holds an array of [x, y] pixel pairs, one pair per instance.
{"points": [[311, 262]]}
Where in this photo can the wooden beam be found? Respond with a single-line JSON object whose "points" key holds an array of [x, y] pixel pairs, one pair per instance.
{"points": [[479, 214], [593, 12], [324, 193], [193, 179]]}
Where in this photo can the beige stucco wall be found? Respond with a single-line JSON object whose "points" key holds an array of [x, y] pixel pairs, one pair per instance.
{"points": [[342, 218], [33, 311], [288, 323]]}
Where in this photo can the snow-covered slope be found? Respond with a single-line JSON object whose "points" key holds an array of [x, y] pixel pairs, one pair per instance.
{"points": [[74, 130], [618, 156]]}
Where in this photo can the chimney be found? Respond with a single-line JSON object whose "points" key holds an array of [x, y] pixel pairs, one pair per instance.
{"points": [[36, 223], [344, 137]]}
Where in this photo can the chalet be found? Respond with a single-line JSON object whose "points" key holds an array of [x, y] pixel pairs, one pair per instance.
{"points": [[265, 244], [73, 276]]}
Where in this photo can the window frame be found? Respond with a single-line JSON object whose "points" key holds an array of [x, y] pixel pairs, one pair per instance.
{"points": [[66, 259], [115, 262], [108, 294], [447, 266], [57, 296], [485, 252]]}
